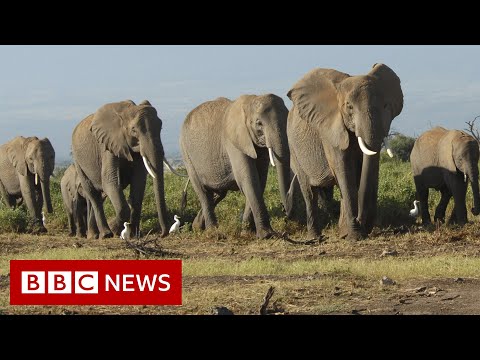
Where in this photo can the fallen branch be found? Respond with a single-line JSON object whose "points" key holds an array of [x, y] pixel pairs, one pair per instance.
{"points": [[266, 300], [142, 247]]}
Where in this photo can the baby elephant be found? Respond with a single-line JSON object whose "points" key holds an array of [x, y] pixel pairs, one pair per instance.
{"points": [[444, 160], [74, 202]]}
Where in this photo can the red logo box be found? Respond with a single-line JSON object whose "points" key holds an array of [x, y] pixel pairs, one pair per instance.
{"points": [[95, 282]]}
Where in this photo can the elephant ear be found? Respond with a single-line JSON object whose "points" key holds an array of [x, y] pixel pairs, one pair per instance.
{"points": [[316, 99], [108, 127], [236, 122], [145, 102], [390, 84], [16, 154]]}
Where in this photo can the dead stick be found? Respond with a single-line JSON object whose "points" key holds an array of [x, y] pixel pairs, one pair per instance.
{"points": [[266, 300]]}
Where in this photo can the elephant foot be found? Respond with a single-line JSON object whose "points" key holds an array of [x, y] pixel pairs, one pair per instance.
{"points": [[106, 235], [81, 235], [39, 230], [265, 233], [313, 235], [355, 236], [116, 228], [92, 236], [163, 233], [71, 234]]}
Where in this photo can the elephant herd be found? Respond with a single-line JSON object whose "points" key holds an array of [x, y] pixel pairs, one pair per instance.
{"points": [[331, 136]]}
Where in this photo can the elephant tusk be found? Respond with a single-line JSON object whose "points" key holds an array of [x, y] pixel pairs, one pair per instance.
{"points": [[36, 179], [270, 153], [387, 146], [465, 177], [145, 162], [172, 169], [363, 147]]}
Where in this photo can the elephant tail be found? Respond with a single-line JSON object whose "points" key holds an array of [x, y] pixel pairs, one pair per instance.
{"points": [[184, 198]]}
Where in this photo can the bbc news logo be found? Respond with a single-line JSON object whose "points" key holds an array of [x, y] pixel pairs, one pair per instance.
{"points": [[95, 282]]}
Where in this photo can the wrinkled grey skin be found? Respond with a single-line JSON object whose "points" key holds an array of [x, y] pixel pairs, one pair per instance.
{"points": [[20, 159], [224, 147], [74, 202], [446, 160], [107, 149], [330, 111]]}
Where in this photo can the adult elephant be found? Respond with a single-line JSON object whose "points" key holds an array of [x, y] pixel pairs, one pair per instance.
{"points": [[112, 149], [26, 165], [335, 130], [444, 160], [227, 145]]}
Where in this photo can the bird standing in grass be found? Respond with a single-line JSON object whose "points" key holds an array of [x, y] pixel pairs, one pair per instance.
{"points": [[176, 226], [43, 218], [414, 211], [125, 234]]}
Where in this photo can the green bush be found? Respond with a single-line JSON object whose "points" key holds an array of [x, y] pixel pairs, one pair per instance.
{"points": [[13, 220], [402, 146]]}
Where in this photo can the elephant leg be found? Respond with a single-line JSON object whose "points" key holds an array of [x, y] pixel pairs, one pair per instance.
{"points": [[137, 192], [8, 199], [422, 196], [206, 201], [199, 221], [92, 228], [459, 191], [442, 205], [262, 164], [29, 196], [94, 197], [80, 218], [348, 225], [71, 223], [310, 196], [112, 187], [248, 181]]}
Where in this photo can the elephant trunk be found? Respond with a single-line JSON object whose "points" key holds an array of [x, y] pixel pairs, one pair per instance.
{"points": [[46, 194], [152, 153], [43, 175], [472, 174], [279, 153], [367, 192]]}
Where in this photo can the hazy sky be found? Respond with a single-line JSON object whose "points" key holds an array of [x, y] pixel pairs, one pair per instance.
{"points": [[46, 90]]}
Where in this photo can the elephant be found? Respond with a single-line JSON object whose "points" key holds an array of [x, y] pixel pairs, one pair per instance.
{"points": [[335, 129], [227, 145], [23, 162], [74, 202], [114, 148], [444, 160]]}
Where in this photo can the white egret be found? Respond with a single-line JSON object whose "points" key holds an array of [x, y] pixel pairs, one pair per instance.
{"points": [[176, 226], [43, 218], [125, 234], [414, 211]]}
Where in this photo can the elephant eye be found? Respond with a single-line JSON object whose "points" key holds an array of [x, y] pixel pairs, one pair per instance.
{"points": [[259, 122], [133, 131]]}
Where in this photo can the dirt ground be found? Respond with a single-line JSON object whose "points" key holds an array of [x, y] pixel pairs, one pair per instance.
{"points": [[316, 292]]}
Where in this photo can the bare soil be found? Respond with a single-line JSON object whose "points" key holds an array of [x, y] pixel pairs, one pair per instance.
{"points": [[317, 293]]}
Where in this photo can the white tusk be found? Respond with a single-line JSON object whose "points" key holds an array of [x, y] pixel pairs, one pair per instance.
{"points": [[270, 153], [145, 162], [36, 179], [387, 146], [364, 148], [465, 177], [172, 169]]}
